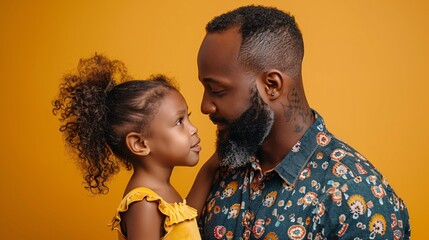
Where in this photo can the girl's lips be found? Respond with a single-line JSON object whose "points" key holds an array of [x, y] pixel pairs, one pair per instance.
{"points": [[196, 148]]}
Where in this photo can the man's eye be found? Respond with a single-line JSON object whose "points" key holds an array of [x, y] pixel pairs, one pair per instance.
{"points": [[215, 88], [216, 91]]}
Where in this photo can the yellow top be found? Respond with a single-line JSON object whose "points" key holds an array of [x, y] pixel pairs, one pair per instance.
{"points": [[180, 219]]}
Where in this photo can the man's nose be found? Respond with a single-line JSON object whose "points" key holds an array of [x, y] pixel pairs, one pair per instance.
{"points": [[207, 105]]}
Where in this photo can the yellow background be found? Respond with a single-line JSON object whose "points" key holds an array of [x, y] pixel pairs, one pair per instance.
{"points": [[365, 72]]}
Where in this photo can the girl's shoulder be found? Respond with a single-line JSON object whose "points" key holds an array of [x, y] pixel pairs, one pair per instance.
{"points": [[173, 213], [140, 193], [140, 206], [146, 194]]}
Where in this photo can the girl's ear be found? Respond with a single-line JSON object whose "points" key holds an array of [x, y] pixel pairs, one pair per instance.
{"points": [[137, 144]]}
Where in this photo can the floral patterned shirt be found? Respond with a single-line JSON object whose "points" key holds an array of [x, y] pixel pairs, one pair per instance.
{"points": [[322, 189]]}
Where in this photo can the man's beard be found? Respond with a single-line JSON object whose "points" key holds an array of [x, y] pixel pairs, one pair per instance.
{"points": [[241, 138]]}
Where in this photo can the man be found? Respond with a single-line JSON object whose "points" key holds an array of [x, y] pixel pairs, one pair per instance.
{"points": [[282, 174]]}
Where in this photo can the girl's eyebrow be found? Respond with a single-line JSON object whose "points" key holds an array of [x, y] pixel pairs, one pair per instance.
{"points": [[182, 112]]}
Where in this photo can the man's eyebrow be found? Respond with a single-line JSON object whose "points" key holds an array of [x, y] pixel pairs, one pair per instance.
{"points": [[207, 80], [210, 80]]}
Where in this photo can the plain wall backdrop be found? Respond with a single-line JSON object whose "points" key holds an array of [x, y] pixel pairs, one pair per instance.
{"points": [[365, 71]]}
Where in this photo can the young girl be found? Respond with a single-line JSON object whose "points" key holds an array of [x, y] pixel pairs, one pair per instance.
{"points": [[142, 125]]}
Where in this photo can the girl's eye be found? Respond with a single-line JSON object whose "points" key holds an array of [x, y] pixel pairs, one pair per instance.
{"points": [[179, 121]]}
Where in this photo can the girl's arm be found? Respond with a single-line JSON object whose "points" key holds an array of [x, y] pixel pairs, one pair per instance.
{"points": [[144, 221], [200, 189]]}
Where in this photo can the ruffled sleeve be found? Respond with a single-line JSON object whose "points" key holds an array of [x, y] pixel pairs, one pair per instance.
{"points": [[136, 195], [175, 213]]}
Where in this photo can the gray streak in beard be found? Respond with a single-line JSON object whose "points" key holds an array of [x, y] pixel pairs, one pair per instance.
{"points": [[238, 156], [238, 144]]}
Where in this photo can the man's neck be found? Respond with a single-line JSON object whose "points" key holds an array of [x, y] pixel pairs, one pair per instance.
{"points": [[283, 136]]}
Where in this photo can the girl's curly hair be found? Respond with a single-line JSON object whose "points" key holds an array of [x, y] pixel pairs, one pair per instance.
{"points": [[97, 114]]}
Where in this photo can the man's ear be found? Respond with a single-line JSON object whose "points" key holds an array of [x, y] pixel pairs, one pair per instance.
{"points": [[273, 83], [137, 144]]}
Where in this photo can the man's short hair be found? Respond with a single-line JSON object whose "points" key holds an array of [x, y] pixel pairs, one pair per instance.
{"points": [[270, 38]]}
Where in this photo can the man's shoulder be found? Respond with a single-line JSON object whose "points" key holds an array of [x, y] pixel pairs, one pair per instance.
{"points": [[339, 163], [338, 152], [347, 172]]}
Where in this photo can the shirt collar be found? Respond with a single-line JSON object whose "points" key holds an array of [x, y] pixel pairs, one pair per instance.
{"points": [[297, 158]]}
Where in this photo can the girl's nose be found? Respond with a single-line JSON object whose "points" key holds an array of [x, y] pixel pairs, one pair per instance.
{"points": [[193, 130]]}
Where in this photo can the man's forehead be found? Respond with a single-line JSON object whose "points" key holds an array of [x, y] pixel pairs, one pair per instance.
{"points": [[219, 53], [226, 40], [231, 33]]}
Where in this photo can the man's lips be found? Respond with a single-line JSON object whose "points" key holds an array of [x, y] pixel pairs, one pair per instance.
{"points": [[220, 126], [221, 123]]}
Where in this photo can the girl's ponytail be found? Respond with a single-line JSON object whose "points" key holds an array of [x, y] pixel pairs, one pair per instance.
{"points": [[81, 106]]}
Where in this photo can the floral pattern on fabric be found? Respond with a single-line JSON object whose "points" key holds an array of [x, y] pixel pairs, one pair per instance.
{"points": [[323, 189]]}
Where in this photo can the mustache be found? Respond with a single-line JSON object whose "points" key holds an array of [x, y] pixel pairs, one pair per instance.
{"points": [[218, 120]]}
